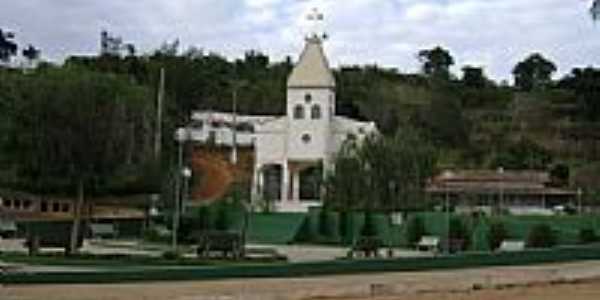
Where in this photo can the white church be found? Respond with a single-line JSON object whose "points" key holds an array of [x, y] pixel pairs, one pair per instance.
{"points": [[293, 151]]}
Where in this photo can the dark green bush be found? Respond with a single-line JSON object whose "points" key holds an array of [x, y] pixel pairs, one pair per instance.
{"points": [[415, 229], [343, 226], [203, 221], [222, 223], [458, 229], [587, 236], [541, 236], [153, 235], [324, 222], [498, 233], [171, 255], [368, 229]]}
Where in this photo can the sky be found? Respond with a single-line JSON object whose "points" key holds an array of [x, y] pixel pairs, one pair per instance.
{"points": [[494, 34]]}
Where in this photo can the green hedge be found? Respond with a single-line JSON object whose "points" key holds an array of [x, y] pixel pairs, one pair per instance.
{"points": [[313, 230], [566, 227], [307, 269]]}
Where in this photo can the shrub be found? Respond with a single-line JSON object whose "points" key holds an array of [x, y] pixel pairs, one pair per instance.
{"points": [[541, 236], [324, 222], [368, 229], [344, 226], [154, 236], [458, 229], [171, 255], [498, 233], [415, 230], [203, 218], [222, 222], [587, 236]]}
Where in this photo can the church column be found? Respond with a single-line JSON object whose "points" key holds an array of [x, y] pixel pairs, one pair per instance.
{"points": [[285, 182], [257, 184], [296, 186]]}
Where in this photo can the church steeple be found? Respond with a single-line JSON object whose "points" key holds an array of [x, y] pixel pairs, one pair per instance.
{"points": [[312, 69]]}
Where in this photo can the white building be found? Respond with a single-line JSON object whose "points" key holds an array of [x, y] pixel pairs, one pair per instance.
{"points": [[292, 152]]}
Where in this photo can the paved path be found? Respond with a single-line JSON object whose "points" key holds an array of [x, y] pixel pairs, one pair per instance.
{"points": [[388, 285]]}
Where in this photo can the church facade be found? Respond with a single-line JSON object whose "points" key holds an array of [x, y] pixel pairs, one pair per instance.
{"points": [[292, 153]]}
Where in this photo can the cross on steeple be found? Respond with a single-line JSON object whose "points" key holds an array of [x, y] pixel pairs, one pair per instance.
{"points": [[316, 19]]}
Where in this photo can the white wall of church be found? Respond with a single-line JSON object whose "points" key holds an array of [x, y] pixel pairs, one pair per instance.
{"points": [[270, 148], [308, 136]]}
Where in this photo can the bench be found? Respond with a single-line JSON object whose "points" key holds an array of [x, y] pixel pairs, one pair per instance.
{"points": [[100, 230], [367, 246], [453, 245], [228, 244], [511, 246], [428, 243], [52, 235], [8, 229]]}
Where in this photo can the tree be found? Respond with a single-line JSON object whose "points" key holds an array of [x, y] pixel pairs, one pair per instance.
{"points": [[473, 77], [523, 155], [31, 53], [443, 120], [75, 130], [595, 10], [533, 73], [382, 173], [436, 62], [586, 85], [8, 48]]}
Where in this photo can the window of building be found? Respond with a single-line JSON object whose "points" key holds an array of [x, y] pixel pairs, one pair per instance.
{"points": [[315, 112], [308, 98], [64, 207], [55, 207], [17, 204], [298, 112], [306, 138], [27, 204], [7, 203], [44, 206]]}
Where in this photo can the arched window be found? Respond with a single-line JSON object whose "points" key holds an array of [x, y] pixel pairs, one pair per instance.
{"points": [[315, 112], [298, 112]]}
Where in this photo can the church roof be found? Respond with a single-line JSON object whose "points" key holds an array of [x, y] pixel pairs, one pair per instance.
{"points": [[312, 69]]}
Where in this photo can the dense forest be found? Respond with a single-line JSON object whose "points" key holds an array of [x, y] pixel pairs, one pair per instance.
{"points": [[537, 123]]}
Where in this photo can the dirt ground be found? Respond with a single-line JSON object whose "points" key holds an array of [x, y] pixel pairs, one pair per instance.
{"points": [[576, 281]]}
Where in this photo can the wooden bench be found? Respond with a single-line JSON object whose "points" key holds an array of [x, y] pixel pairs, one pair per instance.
{"points": [[228, 244], [454, 245], [52, 236], [367, 246], [101, 230], [428, 243], [512, 246]]}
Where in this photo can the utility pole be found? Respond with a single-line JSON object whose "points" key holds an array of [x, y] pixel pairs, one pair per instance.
{"points": [[159, 111], [234, 129]]}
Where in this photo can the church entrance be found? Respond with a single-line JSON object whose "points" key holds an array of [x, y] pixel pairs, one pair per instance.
{"points": [[306, 179], [272, 182], [310, 183]]}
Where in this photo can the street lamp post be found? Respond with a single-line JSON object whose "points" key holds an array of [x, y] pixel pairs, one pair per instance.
{"points": [[579, 194], [181, 136], [447, 175], [501, 198], [186, 173], [237, 85]]}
